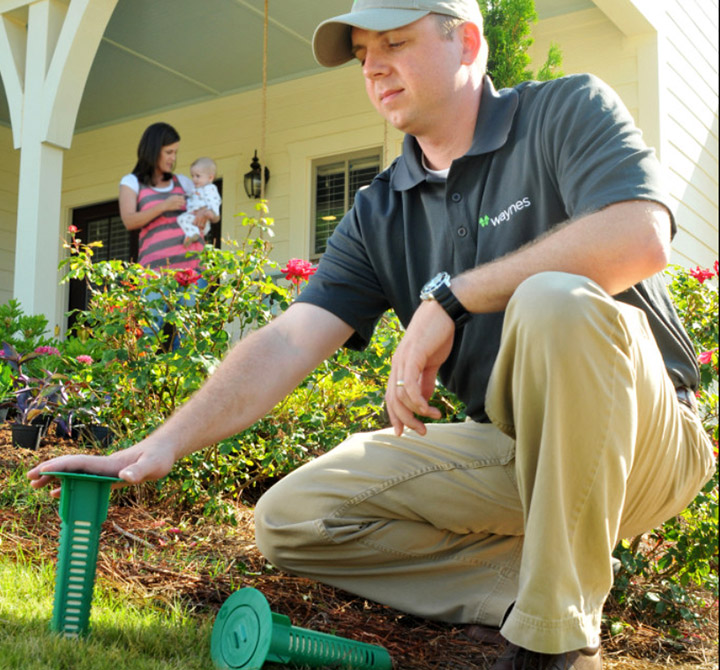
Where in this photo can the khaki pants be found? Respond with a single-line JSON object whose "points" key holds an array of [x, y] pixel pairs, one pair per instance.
{"points": [[588, 445]]}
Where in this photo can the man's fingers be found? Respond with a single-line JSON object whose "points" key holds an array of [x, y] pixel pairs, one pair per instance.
{"points": [[132, 475], [401, 416]]}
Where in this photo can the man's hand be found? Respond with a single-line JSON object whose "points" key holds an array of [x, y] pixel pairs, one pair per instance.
{"points": [[425, 347], [136, 464]]}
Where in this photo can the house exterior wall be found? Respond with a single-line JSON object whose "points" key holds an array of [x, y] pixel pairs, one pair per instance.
{"points": [[669, 82], [329, 113], [688, 55], [307, 118], [9, 169]]}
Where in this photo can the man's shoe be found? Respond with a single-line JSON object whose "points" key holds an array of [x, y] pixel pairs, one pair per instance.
{"points": [[484, 634], [517, 658]]}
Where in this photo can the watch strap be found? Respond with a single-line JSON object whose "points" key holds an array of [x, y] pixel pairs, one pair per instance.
{"points": [[451, 305]]}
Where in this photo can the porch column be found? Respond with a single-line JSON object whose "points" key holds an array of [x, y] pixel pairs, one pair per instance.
{"points": [[46, 50]]}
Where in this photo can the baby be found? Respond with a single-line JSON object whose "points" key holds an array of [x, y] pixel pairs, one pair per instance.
{"points": [[205, 195]]}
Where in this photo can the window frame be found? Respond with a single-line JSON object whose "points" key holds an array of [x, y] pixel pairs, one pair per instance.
{"points": [[375, 152]]}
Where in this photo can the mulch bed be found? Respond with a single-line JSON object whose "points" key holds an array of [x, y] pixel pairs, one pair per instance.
{"points": [[160, 552]]}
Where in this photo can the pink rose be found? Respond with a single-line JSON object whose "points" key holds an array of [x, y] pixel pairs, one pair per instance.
{"points": [[84, 359], [705, 357]]}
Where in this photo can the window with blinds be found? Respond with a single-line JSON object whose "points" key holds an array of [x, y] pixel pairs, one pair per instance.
{"points": [[116, 240], [337, 180]]}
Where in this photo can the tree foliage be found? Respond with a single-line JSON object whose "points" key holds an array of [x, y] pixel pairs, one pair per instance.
{"points": [[507, 30]]}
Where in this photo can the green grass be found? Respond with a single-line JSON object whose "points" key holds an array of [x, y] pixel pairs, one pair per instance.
{"points": [[17, 493], [123, 635]]}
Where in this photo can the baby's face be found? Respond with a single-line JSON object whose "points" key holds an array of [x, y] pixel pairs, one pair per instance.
{"points": [[200, 177]]}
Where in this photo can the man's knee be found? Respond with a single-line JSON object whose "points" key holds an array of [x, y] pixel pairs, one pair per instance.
{"points": [[555, 300], [270, 519], [552, 291], [286, 524]]}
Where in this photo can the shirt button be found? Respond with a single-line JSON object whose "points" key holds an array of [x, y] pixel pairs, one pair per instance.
{"points": [[462, 231], [456, 197]]}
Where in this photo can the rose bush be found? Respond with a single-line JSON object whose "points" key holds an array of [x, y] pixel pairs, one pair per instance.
{"points": [[134, 378]]}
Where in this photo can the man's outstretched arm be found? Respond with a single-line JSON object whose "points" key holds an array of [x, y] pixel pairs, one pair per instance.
{"points": [[257, 373]]}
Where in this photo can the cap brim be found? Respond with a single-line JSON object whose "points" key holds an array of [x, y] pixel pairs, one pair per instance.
{"points": [[331, 40]]}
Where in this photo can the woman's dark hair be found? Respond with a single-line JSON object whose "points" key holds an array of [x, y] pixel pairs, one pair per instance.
{"points": [[155, 137]]}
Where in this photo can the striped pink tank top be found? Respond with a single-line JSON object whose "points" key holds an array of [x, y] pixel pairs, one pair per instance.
{"points": [[161, 240]]}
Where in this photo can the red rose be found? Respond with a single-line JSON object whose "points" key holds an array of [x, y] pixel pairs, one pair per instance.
{"points": [[298, 270], [73, 229], [186, 277], [701, 274]]}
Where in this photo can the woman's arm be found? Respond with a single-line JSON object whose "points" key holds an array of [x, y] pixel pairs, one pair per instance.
{"points": [[133, 220]]}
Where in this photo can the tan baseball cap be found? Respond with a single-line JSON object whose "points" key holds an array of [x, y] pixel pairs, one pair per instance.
{"points": [[331, 41]]}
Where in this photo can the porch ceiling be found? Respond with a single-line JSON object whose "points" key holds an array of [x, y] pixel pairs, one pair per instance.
{"points": [[160, 54]]}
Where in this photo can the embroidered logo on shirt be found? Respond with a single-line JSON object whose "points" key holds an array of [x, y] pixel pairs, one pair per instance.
{"points": [[505, 215]]}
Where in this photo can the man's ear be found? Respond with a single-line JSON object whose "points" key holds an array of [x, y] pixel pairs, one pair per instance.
{"points": [[471, 42]]}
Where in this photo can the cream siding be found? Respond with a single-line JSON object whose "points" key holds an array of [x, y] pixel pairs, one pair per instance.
{"points": [[669, 82], [10, 165], [590, 42], [689, 76]]}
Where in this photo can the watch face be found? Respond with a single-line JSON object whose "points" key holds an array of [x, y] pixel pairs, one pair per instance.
{"points": [[441, 279]]}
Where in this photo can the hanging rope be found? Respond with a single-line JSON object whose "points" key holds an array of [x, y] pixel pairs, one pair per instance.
{"points": [[264, 101]]}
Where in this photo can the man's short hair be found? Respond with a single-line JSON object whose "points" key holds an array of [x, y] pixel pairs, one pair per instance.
{"points": [[447, 25]]}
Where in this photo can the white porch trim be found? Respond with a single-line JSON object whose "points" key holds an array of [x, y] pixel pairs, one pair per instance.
{"points": [[46, 50]]}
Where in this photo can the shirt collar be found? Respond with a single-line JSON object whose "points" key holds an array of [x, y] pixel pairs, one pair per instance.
{"points": [[495, 119]]}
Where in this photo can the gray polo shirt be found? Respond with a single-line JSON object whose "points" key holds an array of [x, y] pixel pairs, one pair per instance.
{"points": [[542, 153]]}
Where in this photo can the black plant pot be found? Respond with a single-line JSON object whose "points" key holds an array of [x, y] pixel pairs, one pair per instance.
{"points": [[62, 431], [27, 437], [101, 434], [43, 422], [94, 433]]}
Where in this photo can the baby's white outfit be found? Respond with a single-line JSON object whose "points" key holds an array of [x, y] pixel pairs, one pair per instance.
{"points": [[205, 196]]}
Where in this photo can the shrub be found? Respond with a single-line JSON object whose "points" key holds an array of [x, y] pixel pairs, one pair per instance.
{"points": [[135, 375], [132, 379], [22, 331]]}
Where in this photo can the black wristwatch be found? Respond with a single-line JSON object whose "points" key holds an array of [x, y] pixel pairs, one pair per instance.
{"points": [[438, 288]]}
